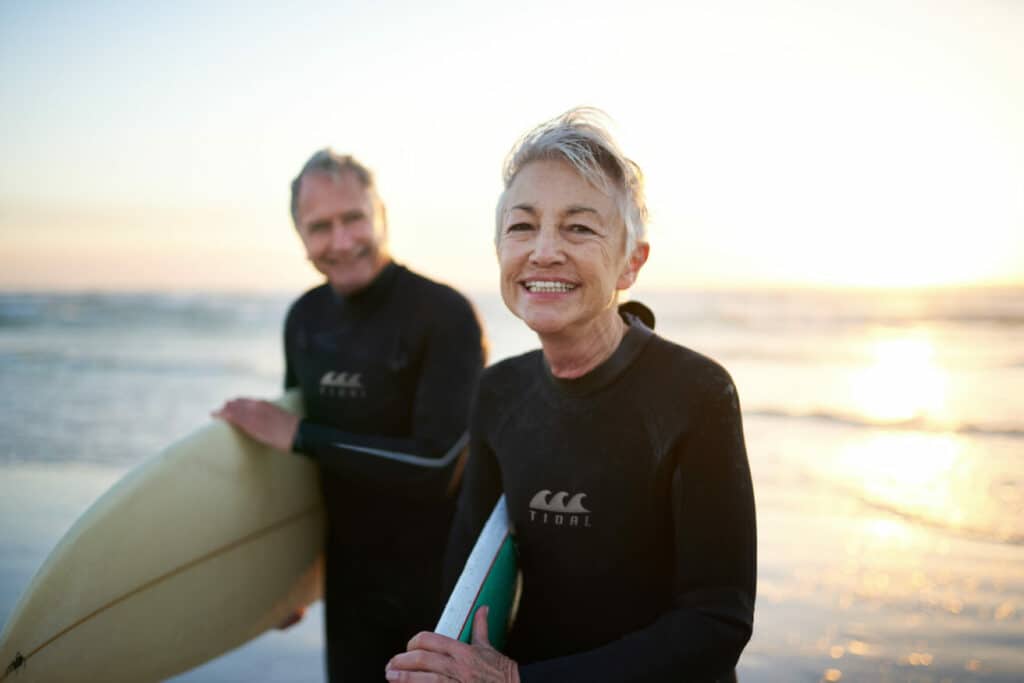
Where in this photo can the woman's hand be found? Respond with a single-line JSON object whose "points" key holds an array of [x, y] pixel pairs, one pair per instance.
{"points": [[262, 421], [434, 658]]}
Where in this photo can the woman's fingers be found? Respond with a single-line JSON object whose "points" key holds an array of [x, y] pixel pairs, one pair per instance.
{"points": [[420, 665], [480, 627], [434, 642]]}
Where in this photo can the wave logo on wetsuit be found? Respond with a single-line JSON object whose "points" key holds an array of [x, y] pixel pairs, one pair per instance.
{"points": [[549, 508], [342, 385]]}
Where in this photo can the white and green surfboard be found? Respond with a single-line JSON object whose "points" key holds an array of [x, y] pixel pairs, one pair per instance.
{"points": [[490, 577]]}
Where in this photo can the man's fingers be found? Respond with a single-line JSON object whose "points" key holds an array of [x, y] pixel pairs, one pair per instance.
{"points": [[480, 627], [231, 409], [238, 409], [240, 413], [292, 619]]}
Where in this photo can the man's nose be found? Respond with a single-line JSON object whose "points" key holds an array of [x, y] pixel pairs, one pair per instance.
{"points": [[547, 247], [341, 236]]}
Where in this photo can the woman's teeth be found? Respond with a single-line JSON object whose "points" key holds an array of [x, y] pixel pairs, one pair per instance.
{"points": [[547, 286]]}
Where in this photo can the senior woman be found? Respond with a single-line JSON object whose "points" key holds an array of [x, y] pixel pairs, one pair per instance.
{"points": [[621, 454]]}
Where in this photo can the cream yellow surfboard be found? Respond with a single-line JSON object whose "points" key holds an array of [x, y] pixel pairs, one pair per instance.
{"points": [[193, 553]]}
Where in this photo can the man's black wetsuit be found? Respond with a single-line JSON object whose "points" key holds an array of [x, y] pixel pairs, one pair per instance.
{"points": [[387, 376], [631, 497]]}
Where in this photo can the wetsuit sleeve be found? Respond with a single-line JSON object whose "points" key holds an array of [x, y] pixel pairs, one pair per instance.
{"points": [[711, 619], [481, 488], [425, 460]]}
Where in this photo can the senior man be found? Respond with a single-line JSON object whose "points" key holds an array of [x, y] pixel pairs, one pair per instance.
{"points": [[386, 361]]}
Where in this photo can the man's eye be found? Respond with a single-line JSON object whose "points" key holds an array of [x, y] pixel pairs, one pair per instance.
{"points": [[318, 227], [519, 227], [353, 217]]}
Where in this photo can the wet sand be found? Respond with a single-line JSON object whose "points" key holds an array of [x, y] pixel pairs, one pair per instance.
{"points": [[845, 592]]}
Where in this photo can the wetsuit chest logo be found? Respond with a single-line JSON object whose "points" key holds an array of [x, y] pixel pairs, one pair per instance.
{"points": [[342, 385], [552, 509]]}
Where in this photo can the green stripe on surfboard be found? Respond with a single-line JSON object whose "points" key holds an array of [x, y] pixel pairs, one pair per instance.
{"points": [[498, 592]]}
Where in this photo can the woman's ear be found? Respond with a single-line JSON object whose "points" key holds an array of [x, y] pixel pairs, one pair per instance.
{"points": [[633, 265]]}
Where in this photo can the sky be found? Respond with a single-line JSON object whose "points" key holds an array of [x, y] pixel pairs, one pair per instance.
{"points": [[809, 144]]}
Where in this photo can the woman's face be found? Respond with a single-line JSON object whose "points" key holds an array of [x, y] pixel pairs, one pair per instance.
{"points": [[561, 250]]}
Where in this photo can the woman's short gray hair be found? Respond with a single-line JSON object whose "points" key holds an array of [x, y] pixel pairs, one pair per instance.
{"points": [[580, 138], [329, 162]]}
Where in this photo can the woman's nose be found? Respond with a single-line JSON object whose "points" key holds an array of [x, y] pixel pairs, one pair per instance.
{"points": [[547, 248]]}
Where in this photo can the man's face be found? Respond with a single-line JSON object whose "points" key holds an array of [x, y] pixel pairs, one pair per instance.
{"points": [[343, 229]]}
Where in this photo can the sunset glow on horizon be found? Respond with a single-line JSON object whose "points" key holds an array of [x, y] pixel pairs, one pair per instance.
{"points": [[805, 145]]}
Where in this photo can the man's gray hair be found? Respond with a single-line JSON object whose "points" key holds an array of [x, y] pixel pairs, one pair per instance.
{"points": [[329, 162], [580, 138]]}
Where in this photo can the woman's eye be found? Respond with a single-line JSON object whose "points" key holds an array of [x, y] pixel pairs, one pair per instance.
{"points": [[519, 227], [581, 229]]}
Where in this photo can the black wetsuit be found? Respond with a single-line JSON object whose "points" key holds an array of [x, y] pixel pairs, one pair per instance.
{"points": [[630, 493], [387, 375]]}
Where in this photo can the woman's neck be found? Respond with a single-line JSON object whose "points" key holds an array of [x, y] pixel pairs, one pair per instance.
{"points": [[574, 353]]}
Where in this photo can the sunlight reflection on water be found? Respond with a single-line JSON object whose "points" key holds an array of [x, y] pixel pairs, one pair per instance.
{"points": [[942, 480], [902, 381]]}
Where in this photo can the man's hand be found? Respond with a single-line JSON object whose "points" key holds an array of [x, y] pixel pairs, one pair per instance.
{"points": [[262, 421], [292, 619], [432, 658]]}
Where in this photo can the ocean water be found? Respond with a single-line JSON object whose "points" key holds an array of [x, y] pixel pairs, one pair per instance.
{"points": [[885, 432]]}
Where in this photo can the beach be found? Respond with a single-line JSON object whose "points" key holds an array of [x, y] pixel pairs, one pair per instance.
{"points": [[885, 432]]}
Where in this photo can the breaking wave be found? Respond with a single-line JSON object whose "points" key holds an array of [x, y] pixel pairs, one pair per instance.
{"points": [[916, 424]]}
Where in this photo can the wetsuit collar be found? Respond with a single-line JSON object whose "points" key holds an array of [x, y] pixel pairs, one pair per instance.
{"points": [[633, 342], [373, 295]]}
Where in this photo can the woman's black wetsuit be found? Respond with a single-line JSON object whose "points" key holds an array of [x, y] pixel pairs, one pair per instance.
{"points": [[631, 497]]}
